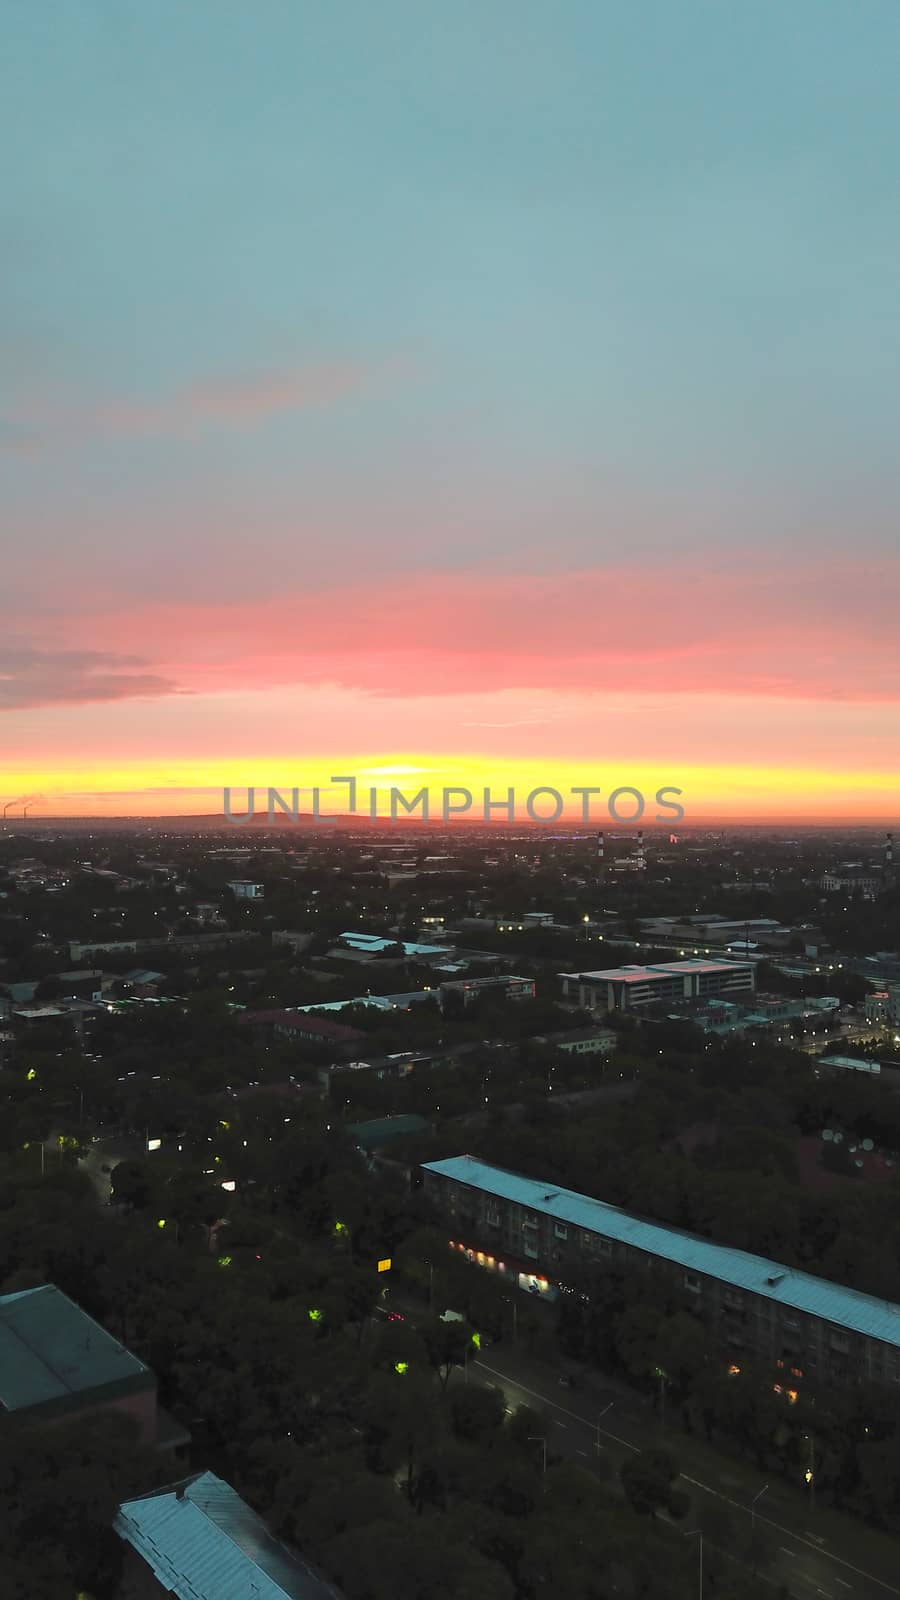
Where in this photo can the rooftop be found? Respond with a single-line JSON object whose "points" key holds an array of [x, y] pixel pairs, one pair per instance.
{"points": [[661, 969], [845, 1308], [374, 944], [50, 1348], [203, 1542], [301, 1022]]}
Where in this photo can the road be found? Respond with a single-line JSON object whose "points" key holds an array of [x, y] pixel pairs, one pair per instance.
{"points": [[818, 1555], [793, 1557]]}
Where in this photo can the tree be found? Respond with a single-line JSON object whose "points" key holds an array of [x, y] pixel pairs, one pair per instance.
{"points": [[133, 1184], [447, 1344], [59, 1490], [648, 1480], [477, 1411]]}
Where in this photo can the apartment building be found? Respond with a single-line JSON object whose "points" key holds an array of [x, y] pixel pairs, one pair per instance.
{"points": [[535, 1234], [629, 988]]}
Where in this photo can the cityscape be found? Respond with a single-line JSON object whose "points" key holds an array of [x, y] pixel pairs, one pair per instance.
{"points": [[449, 801]]}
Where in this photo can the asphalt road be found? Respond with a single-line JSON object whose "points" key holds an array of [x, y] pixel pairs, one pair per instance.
{"points": [[817, 1555], [795, 1560]]}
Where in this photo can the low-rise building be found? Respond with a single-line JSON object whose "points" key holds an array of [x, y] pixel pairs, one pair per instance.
{"points": [[506, 985], [581, 1041], [301, 1027], [629, 988], [245, 889], [198, 1540], [537, 1234], [883, 1007], [853, 879], [57, 1363], [850, 1064]]}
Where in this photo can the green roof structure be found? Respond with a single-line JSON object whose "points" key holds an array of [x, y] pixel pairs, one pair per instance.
{"points": [[370, 1135], [55, 1358]]}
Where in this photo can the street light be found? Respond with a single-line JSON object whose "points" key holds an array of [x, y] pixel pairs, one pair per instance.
{"points": [[698, 1533], [600, 1419], [535, 1438], [753, 1507]]}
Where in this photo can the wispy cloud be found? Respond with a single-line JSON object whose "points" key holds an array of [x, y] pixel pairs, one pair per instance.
{"points": [[217, 403], [30, 678]]}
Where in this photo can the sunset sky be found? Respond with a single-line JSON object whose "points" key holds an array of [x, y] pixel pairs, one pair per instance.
{"points": [[502, 391]]}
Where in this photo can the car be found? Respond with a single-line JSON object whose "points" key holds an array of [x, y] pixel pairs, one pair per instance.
{"points": [[396, 1316]]}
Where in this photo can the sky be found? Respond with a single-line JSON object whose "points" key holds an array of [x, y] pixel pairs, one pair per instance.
{"points": [[502, 392]]}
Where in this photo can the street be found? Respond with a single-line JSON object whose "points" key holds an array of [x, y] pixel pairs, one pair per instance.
{"points": [[795, 1555], [815, 1553]]}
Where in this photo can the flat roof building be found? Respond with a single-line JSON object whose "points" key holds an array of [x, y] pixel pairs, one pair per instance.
{"points": [[56, 1362], [469, 989], [629, 987], [815, 1327]]}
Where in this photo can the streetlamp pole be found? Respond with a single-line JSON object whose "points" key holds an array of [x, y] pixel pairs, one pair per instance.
{"points": [[536, 1439], [698, 1533], [753, 1508], [600, 1419]]}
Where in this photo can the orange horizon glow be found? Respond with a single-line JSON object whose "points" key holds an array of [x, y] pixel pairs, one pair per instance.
{"points": [[179, 788]]}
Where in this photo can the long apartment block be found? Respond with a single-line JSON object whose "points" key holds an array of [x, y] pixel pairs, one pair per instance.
{"points": [[537, 1234]]}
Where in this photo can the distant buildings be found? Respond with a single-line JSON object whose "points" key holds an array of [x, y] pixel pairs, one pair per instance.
{"points": [[581, 1041], [57, 1363], [883, 1007], [631, 987], [537, 1233], [198, 1540], [301, 1027], [507, 986], [849, 1064], [853, 879]]}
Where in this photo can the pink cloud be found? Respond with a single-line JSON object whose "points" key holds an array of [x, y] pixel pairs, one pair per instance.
{"points": [[784, 632], [227, 401]]}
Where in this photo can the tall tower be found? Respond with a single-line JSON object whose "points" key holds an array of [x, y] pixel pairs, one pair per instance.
{"points": [[600, 859], [639, 858], [889, 860]]}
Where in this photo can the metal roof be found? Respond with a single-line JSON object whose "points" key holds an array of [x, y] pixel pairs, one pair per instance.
{"points": [[800, 1291], [207, 1544], [376, 944], [50, 1348]]}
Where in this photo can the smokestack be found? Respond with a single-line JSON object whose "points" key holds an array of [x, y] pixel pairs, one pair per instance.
{"points": [[639, 856]]}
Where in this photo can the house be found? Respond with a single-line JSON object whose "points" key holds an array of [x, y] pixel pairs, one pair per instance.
{"points": [[198, 1540], [57, 1363]]}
